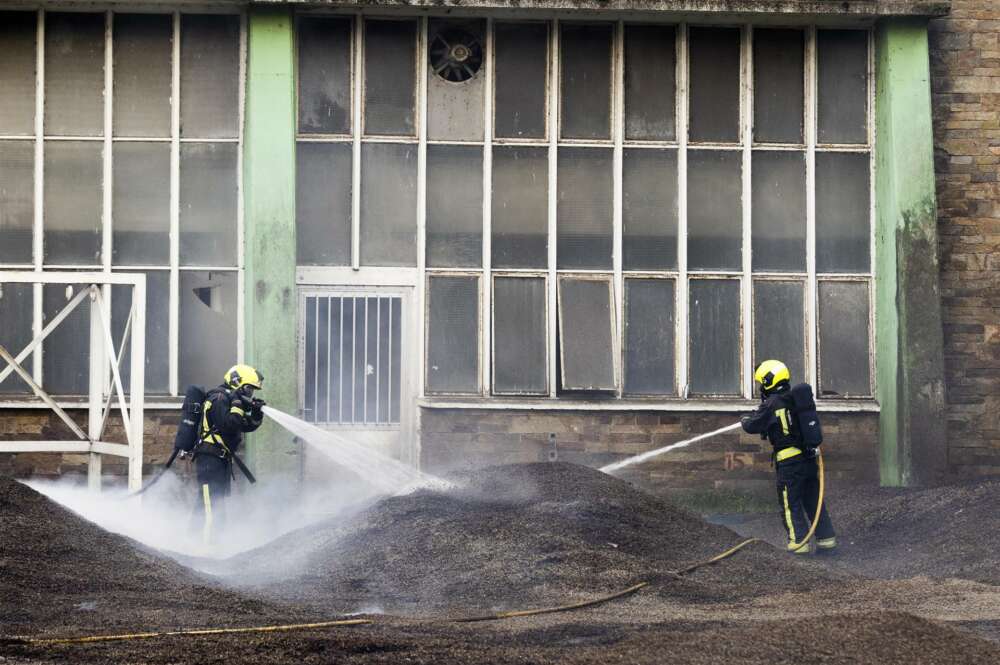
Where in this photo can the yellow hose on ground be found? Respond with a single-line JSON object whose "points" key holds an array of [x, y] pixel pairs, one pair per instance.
{"points": [[549, 610], [819, 503]]}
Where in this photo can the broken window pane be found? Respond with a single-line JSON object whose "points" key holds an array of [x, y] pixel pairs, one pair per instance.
{"points": [[585, 84], [157, 330], [778, 85], [141, 203], [715, 84], [17, 73], [324, 75], [74, 74], [584, 214], [208, 323], [143, 53], [210, 76], [779, 325], [521, 56], [715, 213], [842, 86], [715, 337], [454, 206], [586, 345], [650, 64], [388, 204], [456, 79], [649, 209], [66, 351], [779, 211], [520, 207], [844, 351], [73, 202], [17, 313], [323, 203], [17, 200], [520, 358], [453, 335], [843, 212], [390, 77], [208, 200], [649, 337]]}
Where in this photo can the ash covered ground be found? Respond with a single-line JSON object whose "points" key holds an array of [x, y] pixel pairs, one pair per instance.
{"points": [[514, 537]]}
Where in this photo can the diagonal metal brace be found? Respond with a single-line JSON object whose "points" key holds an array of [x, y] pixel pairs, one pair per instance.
{"points": [[5, 354]]}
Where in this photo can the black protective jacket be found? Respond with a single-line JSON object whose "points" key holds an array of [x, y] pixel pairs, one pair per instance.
{"points": [[226, 416], [775, 420]]}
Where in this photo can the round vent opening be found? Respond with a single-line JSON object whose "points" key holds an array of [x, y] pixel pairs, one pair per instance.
{"points": [[455, 55]]}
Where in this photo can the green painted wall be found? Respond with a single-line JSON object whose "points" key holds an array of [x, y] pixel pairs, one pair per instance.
{"points": [[269, 214], [909, 358]]}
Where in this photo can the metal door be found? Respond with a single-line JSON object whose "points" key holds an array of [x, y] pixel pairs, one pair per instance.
{"points": [[354, 366]]}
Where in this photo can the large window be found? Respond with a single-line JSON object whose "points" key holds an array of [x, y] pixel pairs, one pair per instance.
{"points": [[120, 143], [598, 209]]}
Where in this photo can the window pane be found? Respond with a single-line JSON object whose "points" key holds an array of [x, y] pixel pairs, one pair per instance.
{"points": [[779, 211], [73, 202], [454, 206], [390, 77], [74, 74], [388, 204], [207, 327], [141, 205], [520, 364], [842, 86], [453, 335], [520, 207], [778, 85], [715, 337], [843, 212], [844, 369], [324, 46], [779, 325], [66, 351], [649, 209], [143, 52], [715, 215], [521, 55], [649, 336], [17, 73], [585, 338], [715, 84], [455, 79], [585, 54], [157, 330], [650, 67], [208, 204], [584, 214], [210, 75], [17, 200], [323, 203], [17, 313]]}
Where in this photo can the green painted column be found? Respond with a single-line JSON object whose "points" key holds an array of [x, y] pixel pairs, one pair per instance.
{"points": [[909, 339], [269, 214]]}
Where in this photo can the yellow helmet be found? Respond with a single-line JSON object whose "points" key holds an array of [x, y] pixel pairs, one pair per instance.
{"points": [[243, 375], [770, 373]]}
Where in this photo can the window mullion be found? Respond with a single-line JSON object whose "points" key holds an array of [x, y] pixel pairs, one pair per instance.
{"points": [[39, 192], [240, 232], [554, 100], [359, 32], [421, 198], [681, 289], [873, 266], [485, 292], [107, 217], [175, 146], [618, 132], [746, 283], [810, 125]]}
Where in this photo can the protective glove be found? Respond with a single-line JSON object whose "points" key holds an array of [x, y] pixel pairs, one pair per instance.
{"points": [[257, 405]]}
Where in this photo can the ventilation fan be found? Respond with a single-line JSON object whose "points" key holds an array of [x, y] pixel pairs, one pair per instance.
{"points": [[455, 55]]}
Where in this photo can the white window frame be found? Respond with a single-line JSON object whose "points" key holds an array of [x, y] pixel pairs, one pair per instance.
{"points": [[417, 278], [108, 139]]}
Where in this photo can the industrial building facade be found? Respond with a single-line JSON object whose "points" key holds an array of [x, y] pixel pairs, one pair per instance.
{"points": [[485, 234]]}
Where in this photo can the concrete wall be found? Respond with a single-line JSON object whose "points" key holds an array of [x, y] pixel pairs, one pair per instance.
{"points": [[965, 81]]}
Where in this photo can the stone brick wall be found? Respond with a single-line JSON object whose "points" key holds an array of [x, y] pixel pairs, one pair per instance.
{"points": [[965, 80], [43, 424], [454, 439]]}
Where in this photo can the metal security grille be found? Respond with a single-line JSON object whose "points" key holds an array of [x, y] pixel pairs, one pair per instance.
{"points": [[352, 347]]}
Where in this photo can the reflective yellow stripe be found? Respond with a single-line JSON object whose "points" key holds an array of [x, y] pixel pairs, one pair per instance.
{"points": [[783, 417], [826, 543], [206, 497], [238, 411], [786, 453], [206, 430], [788, 519]]}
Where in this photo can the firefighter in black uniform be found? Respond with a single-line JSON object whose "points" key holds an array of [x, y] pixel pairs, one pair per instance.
{"points": [[228, 411], [795, 464]]}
